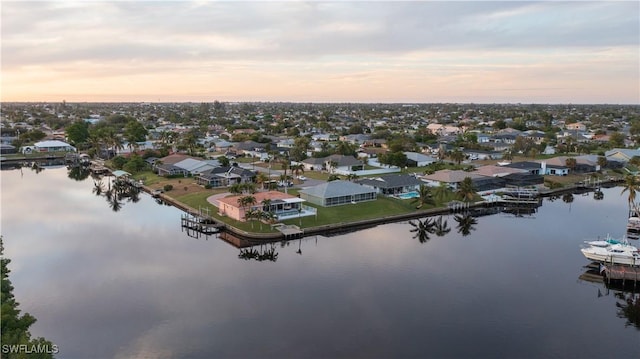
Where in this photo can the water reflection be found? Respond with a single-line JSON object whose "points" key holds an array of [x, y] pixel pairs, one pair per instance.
{"points": [[147, 290], [466, 223], [116, 191], [266, 252], [422, 228], [627, 295], [78, 173]]}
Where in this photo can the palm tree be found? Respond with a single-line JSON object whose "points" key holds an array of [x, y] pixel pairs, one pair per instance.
{"points": [[466, 190], [246, 201], [441, 193], [250, 215], [422, 229], [424, 196], [441, 227], [235, 188], [261, 179], [297, 169], [352, 176], [465, 224], [332, 166], [631, 185], [266, 205], [457, 156], [602, 162], [571, 163]]}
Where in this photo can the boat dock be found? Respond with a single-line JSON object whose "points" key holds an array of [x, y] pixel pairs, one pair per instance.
{"points": [[612, 274], [621, 273], [198, 223], [290, 231]]}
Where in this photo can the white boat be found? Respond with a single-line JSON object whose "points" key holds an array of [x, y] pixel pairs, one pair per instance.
{"points": [[633, 224], [612, 251]]}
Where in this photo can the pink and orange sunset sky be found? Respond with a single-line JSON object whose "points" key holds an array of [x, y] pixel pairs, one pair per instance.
{"points": [[308, 51]]}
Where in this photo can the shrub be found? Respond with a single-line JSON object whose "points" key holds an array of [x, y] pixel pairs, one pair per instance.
{"points": [[207, 186], [168, 187]]}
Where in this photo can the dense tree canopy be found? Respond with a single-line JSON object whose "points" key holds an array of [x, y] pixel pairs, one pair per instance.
{"points": [[15, 327]]}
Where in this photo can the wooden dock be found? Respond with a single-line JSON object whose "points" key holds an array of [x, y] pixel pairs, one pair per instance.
{"points": [[197, 224], [621, 273]]}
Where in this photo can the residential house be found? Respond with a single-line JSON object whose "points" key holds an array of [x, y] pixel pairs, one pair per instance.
{"points": [[49, 146], [576, 126], [280, 204], [343, 164], [540, 168], [194, 167], [415, 159], [392, 184], [225, 176], [337, 193], [622, 154], [450, 177]]}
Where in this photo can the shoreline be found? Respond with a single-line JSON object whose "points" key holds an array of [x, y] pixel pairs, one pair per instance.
{"points": [[342, 227]]}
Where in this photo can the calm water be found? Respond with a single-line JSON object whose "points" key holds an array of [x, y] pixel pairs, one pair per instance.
{"points": [[129, 284]]}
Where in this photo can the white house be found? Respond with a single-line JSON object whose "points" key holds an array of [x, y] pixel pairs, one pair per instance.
{"points": [[49, 146]]}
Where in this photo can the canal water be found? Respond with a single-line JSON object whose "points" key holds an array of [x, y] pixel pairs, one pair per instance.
{"points": [[130, 283]]}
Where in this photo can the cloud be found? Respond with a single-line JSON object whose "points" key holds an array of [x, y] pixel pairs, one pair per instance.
{"points": [[113, 40]]}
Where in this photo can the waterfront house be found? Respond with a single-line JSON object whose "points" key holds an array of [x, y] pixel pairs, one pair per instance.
{"points": [[280, 204], [49, 146], [225, 176], [393, 184], [450, 177], [336, 193], [540, 168], [168, 169], [193, 166]]}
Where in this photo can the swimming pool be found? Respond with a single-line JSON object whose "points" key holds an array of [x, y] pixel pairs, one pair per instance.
{"points": [[409, 195]]}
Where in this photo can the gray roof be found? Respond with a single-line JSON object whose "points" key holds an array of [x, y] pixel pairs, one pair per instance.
{"points": [[313, 161], [391, 181], [336, 189], [342, 160]]}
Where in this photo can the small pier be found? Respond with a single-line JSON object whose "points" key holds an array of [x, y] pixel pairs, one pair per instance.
{"points": [[290, 231], [200, 223]]}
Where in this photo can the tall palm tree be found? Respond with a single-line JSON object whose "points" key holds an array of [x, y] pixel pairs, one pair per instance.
{"points": [[266, 205], [422, 229], [261, 179], [441, 193], [571, 163], [424, 196], [235, 188], [297, 169], [246, 201], [457, 156], [631, 185], [602, 162], [465, 224], [466, 190]]}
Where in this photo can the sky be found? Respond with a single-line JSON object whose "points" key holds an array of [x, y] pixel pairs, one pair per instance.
{"points": [[309, 51]]}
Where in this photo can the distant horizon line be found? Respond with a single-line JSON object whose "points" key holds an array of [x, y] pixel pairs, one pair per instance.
{"points": [[326, 103]]}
